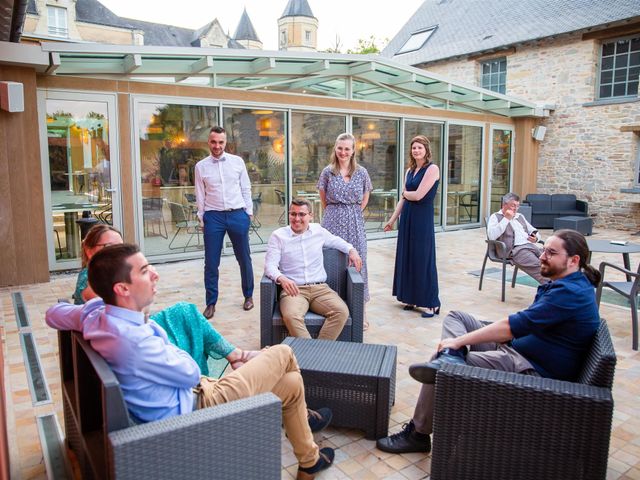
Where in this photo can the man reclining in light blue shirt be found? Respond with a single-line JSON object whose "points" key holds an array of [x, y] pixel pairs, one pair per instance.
{"points": [[158, 379]]}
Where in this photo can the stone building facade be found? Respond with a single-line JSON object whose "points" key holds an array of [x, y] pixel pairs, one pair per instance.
{"points": [[584, 151]]}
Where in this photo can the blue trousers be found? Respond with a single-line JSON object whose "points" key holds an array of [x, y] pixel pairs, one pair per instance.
{"points": [[236, 225]]}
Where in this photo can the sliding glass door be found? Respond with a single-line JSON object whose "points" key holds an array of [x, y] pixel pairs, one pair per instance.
{"points": [[81, 170], [464, 174]]}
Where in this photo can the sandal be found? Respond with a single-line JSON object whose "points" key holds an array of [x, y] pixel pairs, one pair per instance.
{"points": [[409, 307]]}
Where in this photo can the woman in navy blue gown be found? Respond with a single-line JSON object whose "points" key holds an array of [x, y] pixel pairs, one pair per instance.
{"points": [[415, 280]]}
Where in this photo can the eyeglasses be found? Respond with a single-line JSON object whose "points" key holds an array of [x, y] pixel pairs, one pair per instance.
{"points": [[298, 214], [103, 245], [551, 253]]}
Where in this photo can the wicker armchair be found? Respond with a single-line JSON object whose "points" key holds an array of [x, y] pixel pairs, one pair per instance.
{"points": [[341, 278], [497, 425], [207, 443]]}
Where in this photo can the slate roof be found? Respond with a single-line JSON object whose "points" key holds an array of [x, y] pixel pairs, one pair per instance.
{"points": [[474, 26], [245, 30], [157, 34], [162, 35], [297, 8], [92, 11]]}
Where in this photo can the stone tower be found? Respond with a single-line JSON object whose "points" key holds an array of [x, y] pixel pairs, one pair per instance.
{"points": [[245, 33], [297, 27]]}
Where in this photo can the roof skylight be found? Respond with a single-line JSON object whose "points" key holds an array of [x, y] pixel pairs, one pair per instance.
{"points": [[417, 40]]}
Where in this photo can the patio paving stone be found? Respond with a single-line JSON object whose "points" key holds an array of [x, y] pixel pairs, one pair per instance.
{"points": [[458, 253]]}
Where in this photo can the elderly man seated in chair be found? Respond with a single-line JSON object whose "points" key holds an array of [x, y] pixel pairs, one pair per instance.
{"points": [[294, 261], [550, 338], [518, 235]]}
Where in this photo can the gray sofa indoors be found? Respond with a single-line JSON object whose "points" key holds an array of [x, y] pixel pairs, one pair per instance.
{"points": [[545, 208]]}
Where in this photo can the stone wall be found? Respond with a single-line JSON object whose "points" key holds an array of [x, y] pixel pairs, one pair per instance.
{"points": [[584, 152]]}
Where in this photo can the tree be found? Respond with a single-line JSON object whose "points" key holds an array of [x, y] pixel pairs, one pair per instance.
{"points": [[367, 46], [337, 46]]}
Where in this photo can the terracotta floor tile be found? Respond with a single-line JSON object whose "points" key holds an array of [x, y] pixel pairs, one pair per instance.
{"points": [[458, 254]]}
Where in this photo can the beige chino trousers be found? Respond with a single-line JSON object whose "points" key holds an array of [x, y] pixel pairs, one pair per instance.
{"points": [[274, 370], [320, 299]]}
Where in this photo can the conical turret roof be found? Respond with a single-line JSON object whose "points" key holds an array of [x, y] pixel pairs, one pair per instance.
{"points": [[245, 30], [297, 8]]}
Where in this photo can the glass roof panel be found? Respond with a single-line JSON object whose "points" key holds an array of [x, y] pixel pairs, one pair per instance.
{"points": [[371, 78]]}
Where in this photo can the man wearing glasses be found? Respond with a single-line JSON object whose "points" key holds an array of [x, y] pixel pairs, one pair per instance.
{"points": [[294, 261], [550, 338]]}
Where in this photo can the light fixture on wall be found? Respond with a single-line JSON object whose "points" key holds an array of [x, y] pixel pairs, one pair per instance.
{"points": [[267, 126], [278, 144], [371, 133], [12, 96], [538, 133]]}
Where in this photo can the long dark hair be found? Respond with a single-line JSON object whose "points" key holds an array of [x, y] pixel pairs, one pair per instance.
{"points": [[424, 141], [575, 244]]}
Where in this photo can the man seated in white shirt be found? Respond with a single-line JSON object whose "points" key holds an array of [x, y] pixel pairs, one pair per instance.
{"points": [[519, 236], [294, 261]]}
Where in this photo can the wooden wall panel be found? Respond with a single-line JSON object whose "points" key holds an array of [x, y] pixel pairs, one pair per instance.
{"points": [[127, 186], [23, 247], [525, 165]]}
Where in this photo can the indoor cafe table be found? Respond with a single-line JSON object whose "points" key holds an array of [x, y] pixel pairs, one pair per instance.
{"points": [[72, 234]]}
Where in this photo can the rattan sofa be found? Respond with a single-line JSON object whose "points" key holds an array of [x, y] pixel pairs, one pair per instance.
{"points": [[545, 208], [343, 279], [240, 439], [498, 425]]}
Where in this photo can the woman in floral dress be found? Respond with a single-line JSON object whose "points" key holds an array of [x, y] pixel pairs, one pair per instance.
{"points": [[344, 189]]}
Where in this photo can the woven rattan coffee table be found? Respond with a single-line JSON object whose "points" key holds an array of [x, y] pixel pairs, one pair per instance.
{"points": [[356, 380]]}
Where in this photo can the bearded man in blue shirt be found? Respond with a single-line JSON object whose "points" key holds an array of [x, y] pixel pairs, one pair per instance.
{"points": [[551, 338], [158, 380]]}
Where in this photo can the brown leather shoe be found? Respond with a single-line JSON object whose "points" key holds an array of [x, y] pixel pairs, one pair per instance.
{"points": [[248, 303], [209, 311]]}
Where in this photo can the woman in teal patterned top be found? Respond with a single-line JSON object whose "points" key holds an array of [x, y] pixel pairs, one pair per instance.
{"points": [[185, 326]]}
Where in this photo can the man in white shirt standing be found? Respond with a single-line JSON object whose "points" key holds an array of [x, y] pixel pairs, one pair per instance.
{"points": [[223, 199], [294, 261], [519, 236]]}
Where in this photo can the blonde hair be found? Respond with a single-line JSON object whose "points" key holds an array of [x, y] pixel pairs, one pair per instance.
{"points": [[333, 161], [422, 140]]}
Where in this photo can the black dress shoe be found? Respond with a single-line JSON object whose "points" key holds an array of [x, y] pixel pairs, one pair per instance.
{"points": [[426, 372], [325, 461], [406, 440], [209, 311], [319, 419], [248, 303]]}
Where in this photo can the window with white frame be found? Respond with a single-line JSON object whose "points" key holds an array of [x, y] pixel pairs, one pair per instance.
{"points": [[57, 21], [307, 36], [619, 68], [283, 38], [493, 75], [417, 40]]}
